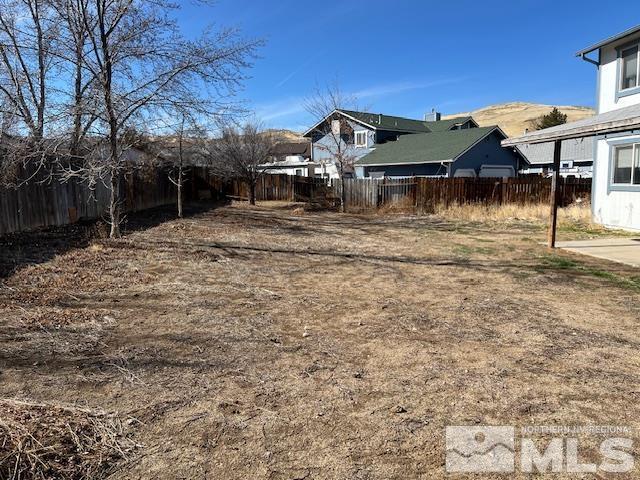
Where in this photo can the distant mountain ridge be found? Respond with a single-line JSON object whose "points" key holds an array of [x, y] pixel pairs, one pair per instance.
{"points": [[284, 135], [515, 117]]}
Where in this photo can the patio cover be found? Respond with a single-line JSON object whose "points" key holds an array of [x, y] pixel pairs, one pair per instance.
{"points": [[619, 120]]}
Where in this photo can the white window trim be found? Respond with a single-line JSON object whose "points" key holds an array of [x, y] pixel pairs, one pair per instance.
{"points": [[568, 163], [633, 163], [366, 139], [621, 68]]}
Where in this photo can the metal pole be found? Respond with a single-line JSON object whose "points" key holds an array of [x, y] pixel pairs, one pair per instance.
{"points": [[553, 220]]}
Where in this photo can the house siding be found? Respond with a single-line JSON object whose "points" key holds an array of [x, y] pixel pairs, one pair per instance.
{"points": [[608, 98], [611, 207], [324, 146], [487, 152], [409, 170]]}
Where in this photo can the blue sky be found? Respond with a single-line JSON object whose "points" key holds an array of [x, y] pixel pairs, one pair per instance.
{"points": [[404, 57]]}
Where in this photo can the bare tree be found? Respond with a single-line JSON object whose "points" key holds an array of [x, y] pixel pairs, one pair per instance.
{"points": [[28, 39], [334, 134], [43, 84], [141, 64], [241, 153], [184, 148], [180, 163], [80, 102], [28, 30]]}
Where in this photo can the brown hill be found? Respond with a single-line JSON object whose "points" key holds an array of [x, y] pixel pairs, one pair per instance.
{"points": [[515, 117], [287, 136]]}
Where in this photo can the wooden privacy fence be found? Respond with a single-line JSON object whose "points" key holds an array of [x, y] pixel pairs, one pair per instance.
{"points": [[281, 187], [373, 193], [44, 201], [424, 194]]}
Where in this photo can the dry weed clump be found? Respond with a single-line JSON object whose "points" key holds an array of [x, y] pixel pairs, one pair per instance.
{"points": [[403, 205], [577, 213], [57, 442]]}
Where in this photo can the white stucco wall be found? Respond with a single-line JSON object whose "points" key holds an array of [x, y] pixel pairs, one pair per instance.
{"points": [[608, 81], [615, 209]]}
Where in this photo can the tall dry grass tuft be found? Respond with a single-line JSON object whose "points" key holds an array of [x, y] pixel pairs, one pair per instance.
{"points": [[404, 205], [575, 214]]}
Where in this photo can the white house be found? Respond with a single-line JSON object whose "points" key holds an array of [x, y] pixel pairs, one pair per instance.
{"points": [[615, 130], [291, 158], [576, 161]]}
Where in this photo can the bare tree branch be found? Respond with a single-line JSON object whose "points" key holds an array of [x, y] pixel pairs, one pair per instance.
{"points": [[334, 135], [241, 153]]}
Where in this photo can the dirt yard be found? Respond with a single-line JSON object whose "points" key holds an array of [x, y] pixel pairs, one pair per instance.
{"points": [[266, 343]]}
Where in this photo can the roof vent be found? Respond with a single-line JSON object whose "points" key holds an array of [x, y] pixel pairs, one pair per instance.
{"points": [[433, 116]]}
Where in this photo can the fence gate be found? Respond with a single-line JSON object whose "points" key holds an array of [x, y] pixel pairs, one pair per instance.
{"points": [[399, 192]]}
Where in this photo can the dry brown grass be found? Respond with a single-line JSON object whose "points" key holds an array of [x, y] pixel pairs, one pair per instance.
{"points": [[253, 343], [51, 442], [404, 205], [575, 216]]}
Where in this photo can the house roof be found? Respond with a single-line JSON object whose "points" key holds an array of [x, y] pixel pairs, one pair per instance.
{"points": [[379, 121], [609, 40], [388, 122], [619, 120], [577, 150], [433, 147], [292, 148], [444, 125]]}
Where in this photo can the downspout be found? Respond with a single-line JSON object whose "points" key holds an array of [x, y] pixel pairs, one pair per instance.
{"points": [[597, 63], [446, 167]]}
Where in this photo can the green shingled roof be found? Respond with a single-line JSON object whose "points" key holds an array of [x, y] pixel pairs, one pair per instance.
{"points": [[444, 125], [425, 147], [401, 124]]}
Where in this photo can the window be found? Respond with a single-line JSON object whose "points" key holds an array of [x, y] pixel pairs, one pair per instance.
{"points": [[626, 165], [299, 172], [566, 165], [361, 139], [629, 65]]}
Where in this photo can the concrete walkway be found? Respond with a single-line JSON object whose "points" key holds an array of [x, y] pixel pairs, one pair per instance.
{"points": [[621, 250]]}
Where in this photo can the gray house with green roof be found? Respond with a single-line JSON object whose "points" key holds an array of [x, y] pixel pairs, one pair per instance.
{"points": [[385, 145], [473, 152]]}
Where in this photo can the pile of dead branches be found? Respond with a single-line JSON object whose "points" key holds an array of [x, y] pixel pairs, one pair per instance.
{"points": [[56, 442]]}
